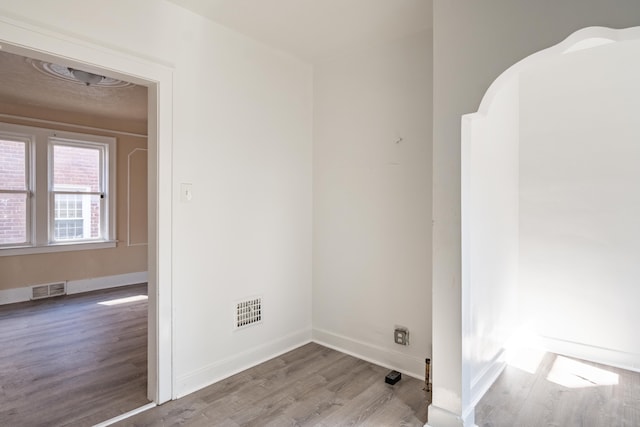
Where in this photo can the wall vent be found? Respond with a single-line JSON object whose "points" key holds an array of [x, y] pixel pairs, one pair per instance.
{"points": [[248, 312], [47, 291]]}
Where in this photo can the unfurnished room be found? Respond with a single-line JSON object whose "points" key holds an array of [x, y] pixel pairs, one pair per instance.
{"points": [[305, 212]]}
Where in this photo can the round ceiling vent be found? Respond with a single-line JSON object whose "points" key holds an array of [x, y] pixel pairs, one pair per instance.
{"points": [[76, 76]]}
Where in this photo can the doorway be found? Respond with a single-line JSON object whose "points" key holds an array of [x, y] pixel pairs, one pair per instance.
{"points": [[22, 40]]}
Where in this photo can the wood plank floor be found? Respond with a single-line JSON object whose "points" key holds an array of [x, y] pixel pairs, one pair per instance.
{"points": [[309, 386], [563, 392], [70, 361]]}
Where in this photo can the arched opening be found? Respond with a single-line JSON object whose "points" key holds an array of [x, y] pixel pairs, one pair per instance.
{"points": [[549, 166]]}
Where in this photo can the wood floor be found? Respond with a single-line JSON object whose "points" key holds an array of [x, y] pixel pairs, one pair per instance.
{"points": [[70, 361], [563, 392], [309, 386]]}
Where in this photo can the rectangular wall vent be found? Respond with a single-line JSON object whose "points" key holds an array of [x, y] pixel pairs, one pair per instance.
{"points": [[248, 312], [50, 290]]}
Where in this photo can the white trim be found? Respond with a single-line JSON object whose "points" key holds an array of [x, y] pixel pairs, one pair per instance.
{"points": [[29, 174], [439, 417], [602, 355], [217, 371], [41, 222], [126, 415], [129, 197], [20, 37], [401, 362], [14, 295], [469, 392], [485, 378], [56, 123], [56, 247], [97, 283], [106, 146]]}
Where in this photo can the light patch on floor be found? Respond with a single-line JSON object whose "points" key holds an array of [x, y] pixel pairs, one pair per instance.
{"points": [[574, 374], [119, 301], [523, 350], [526, 359]]}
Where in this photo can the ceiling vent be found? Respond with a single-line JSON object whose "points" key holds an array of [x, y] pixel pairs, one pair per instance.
{"points": [[48, 291]]}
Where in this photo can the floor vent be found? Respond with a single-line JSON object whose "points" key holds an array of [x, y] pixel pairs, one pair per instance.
{"points": [[248, 312], [47, 291]]}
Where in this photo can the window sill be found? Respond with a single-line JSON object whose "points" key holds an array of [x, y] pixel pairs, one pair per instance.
{"points": [[58, 247]]}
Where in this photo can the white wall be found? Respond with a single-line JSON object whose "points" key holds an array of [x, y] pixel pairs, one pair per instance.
{"points": [[473, 43], [490, 144], [242, 136], [580, 202], [372, 201]]}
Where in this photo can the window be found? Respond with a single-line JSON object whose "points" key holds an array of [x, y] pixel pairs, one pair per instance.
{"points": [[65, 202], [77, 190], [70, 218], [15, 190]]}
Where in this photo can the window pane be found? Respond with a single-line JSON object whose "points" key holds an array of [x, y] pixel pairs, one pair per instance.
{"points": [[13, 218], [13, 169], [69, 229], [76, 166], [77, 217]]}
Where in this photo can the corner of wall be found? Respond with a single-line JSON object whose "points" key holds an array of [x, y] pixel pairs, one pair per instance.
{"points": [[605, 356], [401, 362]]}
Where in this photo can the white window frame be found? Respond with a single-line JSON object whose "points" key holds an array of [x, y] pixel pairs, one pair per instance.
{"points": [[29, 180], [41, 202], [103, 193]]}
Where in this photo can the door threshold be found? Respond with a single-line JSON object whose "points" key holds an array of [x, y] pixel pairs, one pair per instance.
{"points": [[126, 415]]}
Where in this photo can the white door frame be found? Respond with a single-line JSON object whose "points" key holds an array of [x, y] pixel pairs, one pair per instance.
{"points": [[28, 40]]}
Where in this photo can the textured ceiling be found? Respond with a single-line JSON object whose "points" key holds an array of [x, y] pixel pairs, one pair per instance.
{"points": [[314, 30], [21, 84]]}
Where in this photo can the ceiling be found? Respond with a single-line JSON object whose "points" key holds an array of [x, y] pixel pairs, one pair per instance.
{"points": [[314, 30], [23, 85]]}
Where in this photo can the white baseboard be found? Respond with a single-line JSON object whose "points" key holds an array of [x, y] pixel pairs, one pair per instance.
{"points": [[401, 362], [10, 296], [217, 371], [97, 283], [439, 417], [605, 356], [485, 378]]}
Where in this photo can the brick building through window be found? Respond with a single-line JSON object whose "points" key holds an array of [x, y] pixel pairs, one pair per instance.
{"points": [[55, 188]]}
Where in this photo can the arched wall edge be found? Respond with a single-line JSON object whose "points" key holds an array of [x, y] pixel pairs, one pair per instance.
{"points": [[577, 41], [474, 387]]}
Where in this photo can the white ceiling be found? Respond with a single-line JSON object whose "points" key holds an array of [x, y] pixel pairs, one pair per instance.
{"points": [[313, 30]]}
